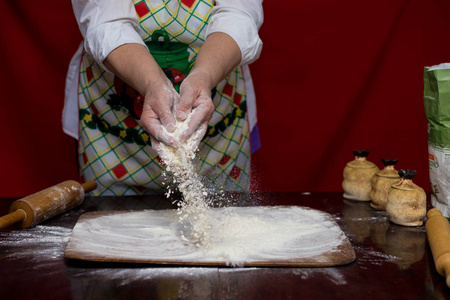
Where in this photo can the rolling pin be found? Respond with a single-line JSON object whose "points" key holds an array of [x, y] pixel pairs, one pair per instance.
{"points": [[438, 234], [47, 203]]}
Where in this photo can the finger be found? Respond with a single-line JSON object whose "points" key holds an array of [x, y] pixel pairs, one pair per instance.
{"points": [[153, 126], [166, 117], [156, 145], [158, 109], [184, 107], [200, 115], [161, 135], [198, 135], [161, 105]]}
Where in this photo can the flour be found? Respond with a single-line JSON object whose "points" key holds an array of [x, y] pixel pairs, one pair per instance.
{"points": [[238, 236], [334, 275], [179, 161], [268, 234], [43, 246]]}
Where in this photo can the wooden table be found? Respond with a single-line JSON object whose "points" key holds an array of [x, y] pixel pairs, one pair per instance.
{"points": [[392, 262]]}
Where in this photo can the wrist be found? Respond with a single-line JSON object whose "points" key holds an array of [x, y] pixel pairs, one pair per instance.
{"points": [[155, 79], [205, 78], [134, 64]]}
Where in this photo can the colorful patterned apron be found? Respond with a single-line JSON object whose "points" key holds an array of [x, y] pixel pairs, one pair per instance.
{"points": [[115, 151]]}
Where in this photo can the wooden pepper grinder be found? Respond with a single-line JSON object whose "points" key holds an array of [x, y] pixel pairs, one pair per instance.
{"points": [[358, 174], [406, 203], [381, 182]]}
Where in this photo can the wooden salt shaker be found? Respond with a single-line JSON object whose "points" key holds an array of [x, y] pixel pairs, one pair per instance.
{"points": [[381, 182], [406, 203], [358, 174]]}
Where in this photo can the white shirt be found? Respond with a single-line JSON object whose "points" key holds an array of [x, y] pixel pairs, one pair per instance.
{"points": [[108, 24]]}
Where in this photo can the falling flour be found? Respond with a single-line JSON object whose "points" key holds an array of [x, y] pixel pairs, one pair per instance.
{"points": [[192, 210]]}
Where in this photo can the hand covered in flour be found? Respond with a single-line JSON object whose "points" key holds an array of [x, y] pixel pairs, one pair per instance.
{"points": [[157, 117], [195, 97], [215, 61], [134, 64]]}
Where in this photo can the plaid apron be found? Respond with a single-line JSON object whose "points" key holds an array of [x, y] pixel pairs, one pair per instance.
{"points": [[115, 151]]}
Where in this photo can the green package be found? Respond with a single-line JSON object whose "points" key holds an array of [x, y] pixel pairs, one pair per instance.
{"points": [[437, 109]]}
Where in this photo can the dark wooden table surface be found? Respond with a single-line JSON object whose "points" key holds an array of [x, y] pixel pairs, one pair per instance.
{"points": [[392, 262]]}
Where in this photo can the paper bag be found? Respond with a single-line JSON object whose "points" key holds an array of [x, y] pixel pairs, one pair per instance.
{"points": [[437, 110]]}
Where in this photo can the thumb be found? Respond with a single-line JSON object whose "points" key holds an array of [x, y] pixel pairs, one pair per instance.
{"points": [[184, 107]]}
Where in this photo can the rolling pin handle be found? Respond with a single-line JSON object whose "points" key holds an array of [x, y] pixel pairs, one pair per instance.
{"points": [[447, 275], [11, 218], [438, 233], [434, 212], [89, 186]]}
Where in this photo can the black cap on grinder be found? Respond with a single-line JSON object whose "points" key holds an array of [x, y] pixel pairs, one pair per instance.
{"points": [[361, 153], [407, 174], [389, 162]]}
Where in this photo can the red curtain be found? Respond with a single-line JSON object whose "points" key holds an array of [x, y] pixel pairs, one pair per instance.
{"points": [[337, 76], [38, 38], [333, 77]]}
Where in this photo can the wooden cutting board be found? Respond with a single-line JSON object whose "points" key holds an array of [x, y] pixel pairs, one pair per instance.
{"points": [[241, 236]]}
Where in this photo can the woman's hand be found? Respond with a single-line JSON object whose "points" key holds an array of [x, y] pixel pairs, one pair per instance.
{"points": [[195, 96], [136, 66], [157, 115], [215, 60]]}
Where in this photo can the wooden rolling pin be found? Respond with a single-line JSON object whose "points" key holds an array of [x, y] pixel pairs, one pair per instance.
{"points": [[47, 203], [438, 233]]}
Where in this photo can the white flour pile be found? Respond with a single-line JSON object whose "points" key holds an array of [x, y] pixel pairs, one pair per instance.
{"points": [[193, 210]]}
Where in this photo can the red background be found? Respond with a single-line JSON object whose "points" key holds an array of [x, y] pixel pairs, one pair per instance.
{"points": [[334, 76]]}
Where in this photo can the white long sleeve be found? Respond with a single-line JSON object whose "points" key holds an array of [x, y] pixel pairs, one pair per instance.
{"points": [[106, 25]]}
